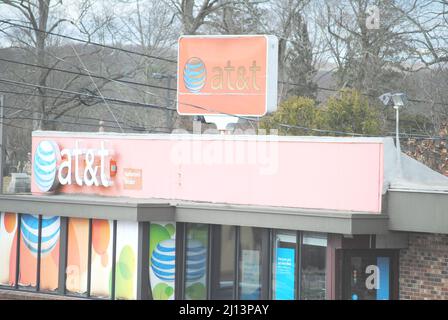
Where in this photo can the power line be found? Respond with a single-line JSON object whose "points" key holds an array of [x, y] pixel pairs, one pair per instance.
{"points": [[153, 94], [99, 91], [86, 75], [79, 123], [362, 93], [173, 89], [175, 100], [82, 123], [195, 106], [34, 94], [406, 136], [65, 115], [174, 61], [288, 126], [115, 100], [17, 127], [131, 103], [89, 42], [154, 129], [158, 87]]}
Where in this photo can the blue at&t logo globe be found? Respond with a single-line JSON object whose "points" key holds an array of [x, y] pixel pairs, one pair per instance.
{"points": [[49, 234], [45, 165], [195, 75], [196, 260], [163, 260]]}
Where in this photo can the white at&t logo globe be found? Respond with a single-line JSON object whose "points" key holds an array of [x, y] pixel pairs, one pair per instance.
{"points": [[45, 161]]}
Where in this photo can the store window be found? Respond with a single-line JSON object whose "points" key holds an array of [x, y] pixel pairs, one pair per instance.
{"points": [[224, 263], [29, 243], [49, 253], [251, 240], [8, 248], [313, 266], [101, 258], [126, 260], [162, 260], [196, 261], [284, 265], [77, 256]]}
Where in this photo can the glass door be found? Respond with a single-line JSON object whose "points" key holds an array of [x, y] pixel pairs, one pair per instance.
{"points": [[284, 270], [369, 274]]}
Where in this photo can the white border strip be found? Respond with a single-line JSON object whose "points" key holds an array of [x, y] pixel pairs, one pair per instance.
{"points": [[208, 137]]}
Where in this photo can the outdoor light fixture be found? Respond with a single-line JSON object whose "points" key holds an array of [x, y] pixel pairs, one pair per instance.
{"points": [[399, 100]]}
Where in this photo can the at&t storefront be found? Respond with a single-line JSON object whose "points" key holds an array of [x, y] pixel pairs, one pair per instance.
{"points": [[123, 216]]}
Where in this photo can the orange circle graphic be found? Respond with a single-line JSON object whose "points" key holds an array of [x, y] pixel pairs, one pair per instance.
{"points": [[10, 222], [100, 235]]}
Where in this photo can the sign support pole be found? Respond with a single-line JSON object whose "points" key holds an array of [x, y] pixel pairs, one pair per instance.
{"points": [[221, 121], [2, 141]]}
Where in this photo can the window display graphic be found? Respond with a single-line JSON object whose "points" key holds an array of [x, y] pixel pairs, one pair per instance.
{"points": [[28, 250], [29, 242], [49, 253], [162, 250], [8, 245], [196, 262], [77, 255], [126, 260], [284, 265], [101, 266], [195, 270], [284, 274]]}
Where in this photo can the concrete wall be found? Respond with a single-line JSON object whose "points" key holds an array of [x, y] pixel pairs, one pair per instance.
{"points": [[424, 267]]}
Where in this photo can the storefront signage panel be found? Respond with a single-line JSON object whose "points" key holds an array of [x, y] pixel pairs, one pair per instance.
{"points": [[340, 174], [53, 166], [227, 74]]}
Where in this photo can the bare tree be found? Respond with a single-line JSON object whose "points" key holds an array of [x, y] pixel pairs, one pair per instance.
{"points": [[194, 13], [150, 28], [240, 17], [367, 58], [36, 14], [50, 52], [429, 24]]}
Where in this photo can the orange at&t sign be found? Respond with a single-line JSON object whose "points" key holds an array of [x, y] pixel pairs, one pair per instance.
{"points": [[227, 74]]}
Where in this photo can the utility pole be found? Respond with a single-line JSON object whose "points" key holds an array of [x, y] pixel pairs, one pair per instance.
{"points": [[2, 141], [168, 113]]}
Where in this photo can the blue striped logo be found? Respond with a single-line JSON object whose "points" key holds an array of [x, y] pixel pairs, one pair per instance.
{"points": [[30, 232], [196, 260], [163, 260], [195, 75], [45, 165]]}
